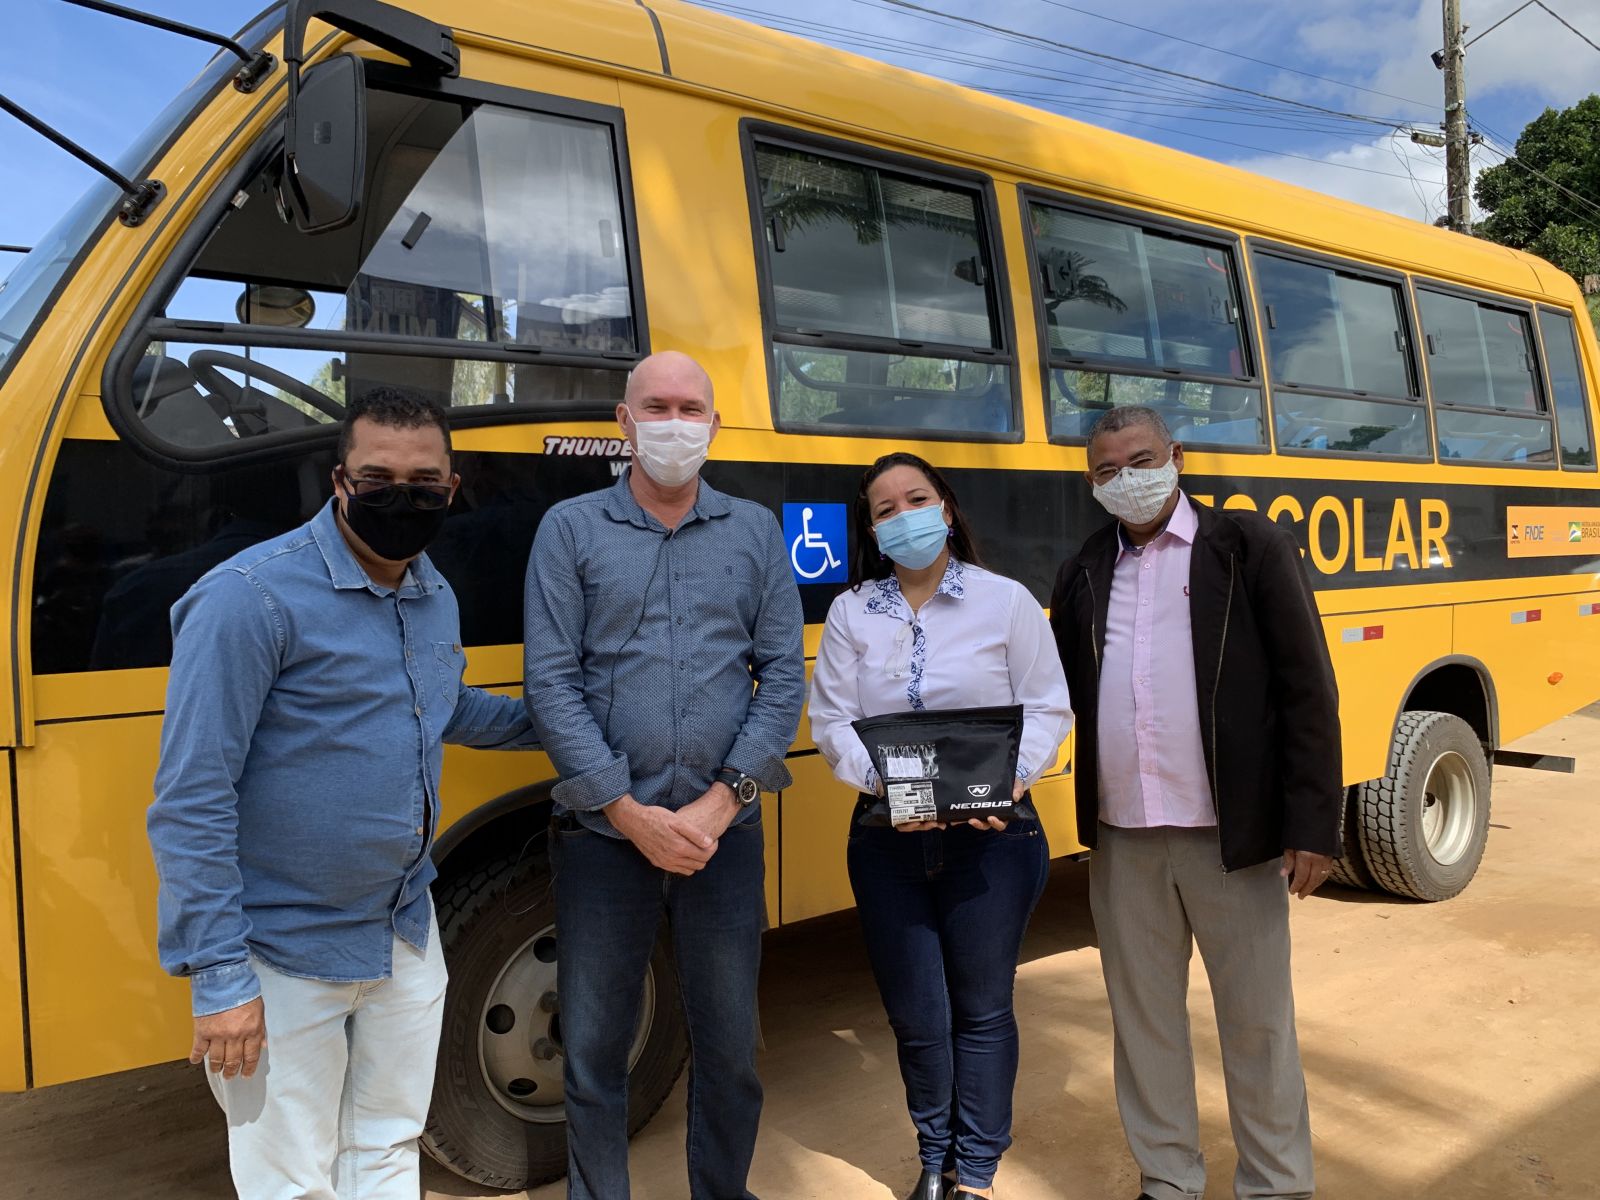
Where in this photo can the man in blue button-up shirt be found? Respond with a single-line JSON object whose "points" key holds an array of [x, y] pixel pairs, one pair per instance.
{"points": [[665, 671], [314, 680]]}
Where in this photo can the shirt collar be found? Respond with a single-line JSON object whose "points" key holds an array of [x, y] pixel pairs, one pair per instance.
{"points": [[1182, 524], [886, 594], [621, 505], [346, 571]]}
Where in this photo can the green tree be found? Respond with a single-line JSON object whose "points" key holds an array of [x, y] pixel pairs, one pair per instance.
{"points": [[1558, 223]]}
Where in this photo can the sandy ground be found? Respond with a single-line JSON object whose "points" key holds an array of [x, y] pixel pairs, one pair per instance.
{"points": [[1453, 1050]]}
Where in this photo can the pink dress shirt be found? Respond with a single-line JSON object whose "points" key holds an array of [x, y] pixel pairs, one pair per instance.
{"points": [[1152, 761]]}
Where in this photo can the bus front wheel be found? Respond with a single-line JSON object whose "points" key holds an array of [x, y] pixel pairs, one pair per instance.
{"points": [[498, 1115], [1425, 824]]}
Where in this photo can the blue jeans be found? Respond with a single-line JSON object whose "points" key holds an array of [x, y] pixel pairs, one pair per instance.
{"points": [[943, 913], [610, 902]]}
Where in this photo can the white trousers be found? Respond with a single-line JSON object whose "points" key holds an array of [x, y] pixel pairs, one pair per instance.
{"points": [[338, 1101]]}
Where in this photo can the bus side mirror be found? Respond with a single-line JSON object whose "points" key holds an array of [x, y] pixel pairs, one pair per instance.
{"points": [[325, 146], [325, 139]]}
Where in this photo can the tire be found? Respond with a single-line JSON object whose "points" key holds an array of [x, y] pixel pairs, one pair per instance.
{"points": [[497, 1116], [1425, 824], [1350, 868]]}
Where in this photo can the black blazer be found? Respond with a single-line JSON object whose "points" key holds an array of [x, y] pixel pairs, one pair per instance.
{"points": [[1268, 703]]}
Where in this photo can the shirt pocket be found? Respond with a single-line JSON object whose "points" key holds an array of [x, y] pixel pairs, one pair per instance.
{"points": [[724, 597], [450, 663]]}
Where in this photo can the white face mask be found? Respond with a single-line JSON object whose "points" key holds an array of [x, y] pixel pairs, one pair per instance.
{"points": [[1137, 495], [672, 451]]}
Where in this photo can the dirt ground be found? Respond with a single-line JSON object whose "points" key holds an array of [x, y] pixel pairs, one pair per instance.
{"points": [[1452, 1050]]}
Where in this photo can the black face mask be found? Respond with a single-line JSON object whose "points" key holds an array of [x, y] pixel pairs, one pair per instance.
{"points": [[391, 525]]}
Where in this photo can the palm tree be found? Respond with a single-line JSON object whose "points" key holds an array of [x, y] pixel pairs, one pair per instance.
{"points": [[1065, 278]]}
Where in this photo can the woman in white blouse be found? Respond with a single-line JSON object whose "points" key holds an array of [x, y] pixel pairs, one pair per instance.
{"points": [[943, 909]]}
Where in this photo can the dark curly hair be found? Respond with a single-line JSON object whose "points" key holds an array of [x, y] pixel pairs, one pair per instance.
{"points": [[866, 562], [398, 408]]}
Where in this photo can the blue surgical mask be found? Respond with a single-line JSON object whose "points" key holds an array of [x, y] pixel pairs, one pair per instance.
{"points": [[913, 538]]}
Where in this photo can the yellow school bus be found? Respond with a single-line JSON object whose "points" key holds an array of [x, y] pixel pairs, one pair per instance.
{"points": [[504, 211]]}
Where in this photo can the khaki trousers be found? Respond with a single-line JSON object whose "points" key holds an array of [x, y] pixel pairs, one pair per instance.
{"points": [[1155, 894]]}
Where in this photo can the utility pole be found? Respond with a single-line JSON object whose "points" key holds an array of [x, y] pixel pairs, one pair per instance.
{"points": [[1457, 152]]}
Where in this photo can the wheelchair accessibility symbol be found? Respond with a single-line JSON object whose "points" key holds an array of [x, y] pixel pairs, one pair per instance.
{"points": [[818, 538]]}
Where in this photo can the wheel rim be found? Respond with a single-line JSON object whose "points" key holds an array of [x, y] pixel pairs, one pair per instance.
{"points": [[1449, 808], [520, 1050]]}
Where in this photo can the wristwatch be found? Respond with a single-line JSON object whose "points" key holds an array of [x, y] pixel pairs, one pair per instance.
{"points": [[746, 791]]}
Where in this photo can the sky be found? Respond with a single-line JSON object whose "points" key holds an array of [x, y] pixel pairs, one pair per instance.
{"points": [[101, 80]]}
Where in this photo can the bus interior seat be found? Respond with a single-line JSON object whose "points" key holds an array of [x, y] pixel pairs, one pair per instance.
{"points": [[268, 411], [1232, 420], [989, 413], [169, 401], [1241, 431]]}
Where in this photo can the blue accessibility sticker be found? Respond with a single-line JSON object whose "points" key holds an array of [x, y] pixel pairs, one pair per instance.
{"points": [[818, 537]]}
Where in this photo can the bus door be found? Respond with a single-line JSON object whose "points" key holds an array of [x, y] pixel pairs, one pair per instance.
{"points": [[13, 1048], [489, 268]]}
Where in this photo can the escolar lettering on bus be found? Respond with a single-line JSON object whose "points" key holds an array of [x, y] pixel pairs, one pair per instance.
{"points": [[1334, 532]]}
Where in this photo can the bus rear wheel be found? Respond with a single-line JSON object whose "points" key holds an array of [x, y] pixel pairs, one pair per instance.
{"points": [[1350, 868], [1425, 824], [498, 1116]]}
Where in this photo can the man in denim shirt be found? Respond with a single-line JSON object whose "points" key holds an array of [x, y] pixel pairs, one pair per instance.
{"points": [[314, 680], [652, 608]]}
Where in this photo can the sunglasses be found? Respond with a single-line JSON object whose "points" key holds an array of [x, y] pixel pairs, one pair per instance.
{"points": [[386, 493]]}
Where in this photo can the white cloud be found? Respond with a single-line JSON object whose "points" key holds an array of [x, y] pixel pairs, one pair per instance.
{"points": [[1531, 56], [1412, 183]]}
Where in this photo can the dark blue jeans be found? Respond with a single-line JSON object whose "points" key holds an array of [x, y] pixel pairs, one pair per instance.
{"points": [[943, 913], [610, 902]]}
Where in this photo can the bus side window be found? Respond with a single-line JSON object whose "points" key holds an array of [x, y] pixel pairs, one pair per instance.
{"points": [[882, 300], [1483, 373], [490, 268], [1565, 369], [1338, 350], [1137, 315]]}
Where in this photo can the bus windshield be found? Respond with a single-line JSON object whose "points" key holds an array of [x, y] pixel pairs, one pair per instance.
{"points": [[27, 290]]}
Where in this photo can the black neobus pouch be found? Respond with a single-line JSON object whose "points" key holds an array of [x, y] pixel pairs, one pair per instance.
{"points": [[944, 764]]}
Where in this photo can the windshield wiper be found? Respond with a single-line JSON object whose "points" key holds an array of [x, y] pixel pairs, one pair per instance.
{"points": [[256, 66]]}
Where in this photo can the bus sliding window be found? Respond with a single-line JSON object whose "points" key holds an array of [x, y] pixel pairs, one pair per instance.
{"points": [[881, 300], [1488, 405], [489, 269], [1565, 369], [1136, 315], [1331, 331], [1197, 413]]}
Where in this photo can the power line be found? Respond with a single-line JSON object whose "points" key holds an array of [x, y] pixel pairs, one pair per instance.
{"points": [[1515, 11], [1264, 150], [1405, 165], [1305, 112], [1509, 156], [1149, 92], [1560, 187], [1567, 23], [1243, 57], [1080, 51], [1117, 107]]}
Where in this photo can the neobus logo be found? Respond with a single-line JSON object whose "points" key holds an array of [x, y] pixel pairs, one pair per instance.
{"points": [[1335, 532]]}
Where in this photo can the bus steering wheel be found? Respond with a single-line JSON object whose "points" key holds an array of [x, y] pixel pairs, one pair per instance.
{"points": [[208, 366]]}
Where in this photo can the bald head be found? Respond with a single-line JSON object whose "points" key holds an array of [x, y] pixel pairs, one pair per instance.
{"points": [[673, 380]]}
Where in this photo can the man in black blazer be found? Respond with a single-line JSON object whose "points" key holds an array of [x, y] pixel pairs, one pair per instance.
{"points": [[1208, 773]]}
